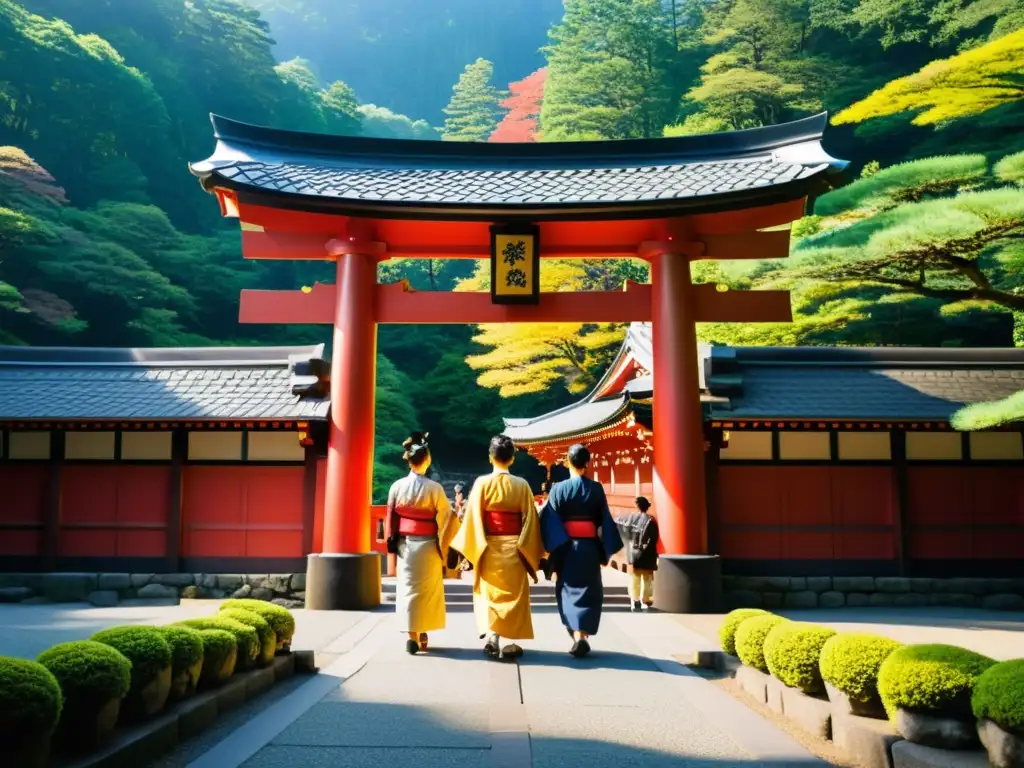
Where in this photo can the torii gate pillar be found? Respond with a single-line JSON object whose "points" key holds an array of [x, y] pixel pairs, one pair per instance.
{"points": [[689, 579], [347, 575]]}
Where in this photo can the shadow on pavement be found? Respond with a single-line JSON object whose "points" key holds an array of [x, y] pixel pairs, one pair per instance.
{"points": [[374, 733]]}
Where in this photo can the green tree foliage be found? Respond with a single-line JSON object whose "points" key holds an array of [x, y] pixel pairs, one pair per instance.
{"points": [[473, 111], [964, 85], [385, 124], [396, 419], [405, 54], [987, 415], [924, 253], [613, 69]]}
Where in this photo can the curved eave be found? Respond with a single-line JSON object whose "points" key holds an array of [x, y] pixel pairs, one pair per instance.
{"points": [[615, 419], [389, 178], [409, 153]]}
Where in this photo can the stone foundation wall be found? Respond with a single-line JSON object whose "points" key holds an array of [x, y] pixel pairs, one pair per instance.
{"points": [[110, 589], [860, 591]]}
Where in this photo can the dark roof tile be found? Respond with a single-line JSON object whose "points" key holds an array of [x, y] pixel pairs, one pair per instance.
{"points": [[230, 383], [651, 173]]}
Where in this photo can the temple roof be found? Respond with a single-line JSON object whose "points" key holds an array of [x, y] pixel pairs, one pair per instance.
{"points": [[208, 383], [624, 178], [888, 383], [797, 383]]}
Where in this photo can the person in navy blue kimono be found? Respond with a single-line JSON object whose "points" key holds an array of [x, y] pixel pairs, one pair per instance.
{"points": [[580, 537]]}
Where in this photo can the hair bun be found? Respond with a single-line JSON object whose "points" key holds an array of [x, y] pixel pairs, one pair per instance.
{"points": [[414, 445], [416, 438]]}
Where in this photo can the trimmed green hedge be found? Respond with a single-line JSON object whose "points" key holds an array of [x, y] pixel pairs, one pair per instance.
{"points": [[999, 695], [30, 704], [280, 619], [220, 653], [94, 679], [90, 673], [186, 658], [850, 662], [731, 622], [932, 679], [268, 639], [143, 646], [246, 637], [792, 651], [750, 639]]}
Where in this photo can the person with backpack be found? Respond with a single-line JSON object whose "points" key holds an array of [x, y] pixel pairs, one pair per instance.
{"points": [[640, 534]]}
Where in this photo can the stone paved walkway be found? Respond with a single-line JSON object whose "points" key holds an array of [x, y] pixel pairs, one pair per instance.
{"points": [[629, 704]]}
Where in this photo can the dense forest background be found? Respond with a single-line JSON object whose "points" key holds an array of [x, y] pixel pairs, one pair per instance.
{"points": [[106, 239]]}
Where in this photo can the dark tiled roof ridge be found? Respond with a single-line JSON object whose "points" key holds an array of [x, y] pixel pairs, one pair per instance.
{"points": [[375, 152], [156, 357], [871, 357]]}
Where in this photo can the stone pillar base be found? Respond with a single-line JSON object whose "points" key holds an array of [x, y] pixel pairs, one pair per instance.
{"points": [[688, 584], [343, 582]]}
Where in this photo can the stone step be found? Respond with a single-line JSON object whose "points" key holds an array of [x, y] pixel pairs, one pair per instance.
{"points": [[460, 592], [465, 587]]}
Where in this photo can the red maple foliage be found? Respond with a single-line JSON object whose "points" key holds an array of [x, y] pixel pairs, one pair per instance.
{"points": [[523, 105]]}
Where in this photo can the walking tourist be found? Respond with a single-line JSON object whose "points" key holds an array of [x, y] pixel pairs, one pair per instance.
{"points": [[500, 537], [580, 537], [420, 524], [640, 532], [456, 563]]}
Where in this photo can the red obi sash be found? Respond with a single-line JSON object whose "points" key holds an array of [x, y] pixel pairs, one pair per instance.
{"points": [[416, 522], [581, 529], [499, 522]]}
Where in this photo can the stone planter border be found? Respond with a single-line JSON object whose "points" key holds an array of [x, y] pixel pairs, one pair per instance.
{"points": [[147, 741], [871, 742]]}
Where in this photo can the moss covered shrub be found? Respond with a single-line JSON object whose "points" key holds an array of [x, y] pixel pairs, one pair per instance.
{"points": [[731, 622], [150, 656], [850, 662], [999, 695], [186, 659], [930, 679], [220, 653], [268, 638], [30, 706], [245, 636], [280, 619], [93, 679], [750, 639], [792, 652]]}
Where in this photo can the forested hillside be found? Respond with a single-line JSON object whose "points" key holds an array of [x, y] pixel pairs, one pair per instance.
{"points": [[106, 239]]}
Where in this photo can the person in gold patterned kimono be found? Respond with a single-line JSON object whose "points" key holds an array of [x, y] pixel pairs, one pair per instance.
{"points": [[420, 525], [500, 537]]}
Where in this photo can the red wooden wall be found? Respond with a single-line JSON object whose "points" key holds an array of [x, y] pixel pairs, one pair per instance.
{"points": [[113, 510], [965, 512], [772, 512], [242, 511], [23, 494]]}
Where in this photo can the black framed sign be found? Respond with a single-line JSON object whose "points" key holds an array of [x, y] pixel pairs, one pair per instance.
{"points": [[515, 264]]}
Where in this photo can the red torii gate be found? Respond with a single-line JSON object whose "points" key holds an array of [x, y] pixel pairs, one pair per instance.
{"points": [[358, 201]]}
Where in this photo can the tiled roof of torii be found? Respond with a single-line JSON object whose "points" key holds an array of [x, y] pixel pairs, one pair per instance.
{"points": [[634, 177], [799, 383], [208, 383]]}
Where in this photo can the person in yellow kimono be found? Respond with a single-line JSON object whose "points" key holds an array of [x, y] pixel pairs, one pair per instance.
{"points": [[420, 525], [500, 537]]}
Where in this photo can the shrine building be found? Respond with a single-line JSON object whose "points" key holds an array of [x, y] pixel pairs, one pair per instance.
{"points": [[820, 461]]}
